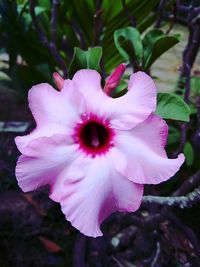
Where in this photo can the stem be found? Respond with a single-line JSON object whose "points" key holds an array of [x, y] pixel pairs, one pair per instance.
{"points": [[79, 33], [177, 200], [79, 251], [98, 24], [161, 13], [182, 202], [189, 56], [128, 14], [183, 139], [51, 45]]}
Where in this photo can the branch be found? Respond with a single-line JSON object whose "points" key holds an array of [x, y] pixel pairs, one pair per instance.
{"points": [[79, 259], [153, 221], [98, 24], [79, 33], [128, 14], [188, 185], [172, 19], [182, 202], [183, 139], [37, 26], [161, 13], [190, 52], [176, 199], [43, 38], [189, 56], [196, 138]]}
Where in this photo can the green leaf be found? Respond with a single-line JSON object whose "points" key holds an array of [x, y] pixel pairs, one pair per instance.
{"points": [[39, 10], [195, 85], [4, 76], [89, 59], [171, 106], [155, 43], [173, 136], [189, 153], [45, 3], [128, 42]]}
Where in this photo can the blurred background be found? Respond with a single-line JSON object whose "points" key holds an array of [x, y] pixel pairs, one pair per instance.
{"points": [[161, 38]]}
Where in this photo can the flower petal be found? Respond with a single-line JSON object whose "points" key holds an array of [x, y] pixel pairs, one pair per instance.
{"points": [[57, 107], [126, 111], [88, 83], [44, 158], [137, 104], [42, 131], [147, 162], [91, 190], [55, 112]]}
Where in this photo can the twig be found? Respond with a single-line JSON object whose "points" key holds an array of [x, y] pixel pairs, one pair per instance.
{"points": [[128, 14], [196, 138], [188, 185], [154, 220], [54, 13], [172, 19], [182, 202], [79, 33], [189, 56], [183, 139], [119, 264], [98, 23], [191, 49], [51, 45], [79, 251], [189, 233], [157, 254], [161, 13]]}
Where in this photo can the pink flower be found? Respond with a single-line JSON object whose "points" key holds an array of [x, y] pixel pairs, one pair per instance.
{"points": [[95, 152]]}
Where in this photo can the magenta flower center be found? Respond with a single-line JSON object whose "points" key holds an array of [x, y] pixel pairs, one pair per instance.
{"points": [[94, 135]]}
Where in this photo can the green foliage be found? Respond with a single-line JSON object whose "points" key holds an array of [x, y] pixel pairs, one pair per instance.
{"points": [[171, 106], [173, 136], [89, 59], [189, 153], [156, 43], [129, 44], [144, 52], [195, 86], [76, 27], [4, 76]]}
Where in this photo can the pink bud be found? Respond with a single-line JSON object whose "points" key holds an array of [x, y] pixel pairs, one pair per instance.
{"points": [[114, 79], [58, 80]]}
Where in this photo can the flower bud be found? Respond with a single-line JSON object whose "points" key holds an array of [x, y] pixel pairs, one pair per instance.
{"points": [[58, 80], [114, 79]]}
